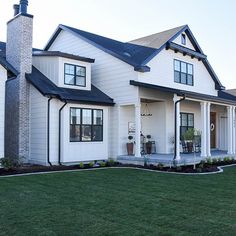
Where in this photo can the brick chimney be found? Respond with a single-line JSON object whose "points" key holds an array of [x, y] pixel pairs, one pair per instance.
{"points": [[19, 55]]}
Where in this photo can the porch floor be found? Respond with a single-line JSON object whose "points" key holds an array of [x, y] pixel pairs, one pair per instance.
{"points": [[167, 159]]}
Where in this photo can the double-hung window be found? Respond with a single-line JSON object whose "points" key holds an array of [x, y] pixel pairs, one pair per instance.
{"points": [[75, 75], [186, 122], [183, 72], [86, 125]]}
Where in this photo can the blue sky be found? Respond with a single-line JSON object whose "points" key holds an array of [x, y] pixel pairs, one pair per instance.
{"points": [[211, 21]]}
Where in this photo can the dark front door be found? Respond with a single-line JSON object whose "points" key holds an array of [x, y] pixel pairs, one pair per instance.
{"points": [[213, 129]]}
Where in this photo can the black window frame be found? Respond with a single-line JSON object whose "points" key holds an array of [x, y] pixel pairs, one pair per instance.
{"points": [[183, 75], [75, 66], [185, 126], [183, 39], [92, 125]]}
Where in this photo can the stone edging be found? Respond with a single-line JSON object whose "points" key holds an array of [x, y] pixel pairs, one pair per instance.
{"points": [[220, 168]]}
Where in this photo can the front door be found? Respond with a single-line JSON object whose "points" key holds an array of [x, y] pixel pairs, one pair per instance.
{"points": [[213, 129]]}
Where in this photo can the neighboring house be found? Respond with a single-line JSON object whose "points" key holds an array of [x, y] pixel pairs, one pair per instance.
{"points": [[74, 100]]}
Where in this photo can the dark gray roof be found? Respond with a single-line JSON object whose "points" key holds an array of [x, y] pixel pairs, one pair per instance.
{"points": [[231, 91], [158, 39], [62, 54], [138, 52], [48, 88], [222, 97]]}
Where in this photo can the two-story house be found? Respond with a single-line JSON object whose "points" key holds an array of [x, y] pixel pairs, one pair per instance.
{"points": [[80, 97]]}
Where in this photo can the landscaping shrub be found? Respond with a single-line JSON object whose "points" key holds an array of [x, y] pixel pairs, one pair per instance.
{"points": [[227, 159], [9, 163], [214, 161], [160, 166], [102, 164], [111, 162], [209, 161], [91, 164], [81, 165]]}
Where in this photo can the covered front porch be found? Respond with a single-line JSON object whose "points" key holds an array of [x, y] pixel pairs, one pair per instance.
{"points": [[165, 119]]}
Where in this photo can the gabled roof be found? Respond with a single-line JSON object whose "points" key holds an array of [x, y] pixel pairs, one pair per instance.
{"points": [[138, 52], [48, 88]]}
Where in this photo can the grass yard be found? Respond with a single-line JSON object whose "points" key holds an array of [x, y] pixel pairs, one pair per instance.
{"points": [[118, 202]]}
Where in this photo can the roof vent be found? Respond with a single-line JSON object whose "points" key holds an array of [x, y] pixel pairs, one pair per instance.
{"points": [[16, 8], [23, 6], [127, 54]]}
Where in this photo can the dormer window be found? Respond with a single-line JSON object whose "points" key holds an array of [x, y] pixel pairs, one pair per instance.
{"points": [[183, 39], [75, 75]]}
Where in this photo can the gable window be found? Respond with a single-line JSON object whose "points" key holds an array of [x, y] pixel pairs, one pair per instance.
{"points": [[183, 72], [75, 75], [183, 39], [186, 122], [86, 125]]}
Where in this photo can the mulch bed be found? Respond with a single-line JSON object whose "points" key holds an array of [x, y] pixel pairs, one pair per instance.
{"points": [[207, 168]]}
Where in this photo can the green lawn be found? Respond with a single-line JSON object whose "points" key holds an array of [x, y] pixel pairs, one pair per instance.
{"points": [[118, 202]]}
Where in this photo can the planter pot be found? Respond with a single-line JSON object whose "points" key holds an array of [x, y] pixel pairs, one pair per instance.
{"points": [[130, 148], [149, 147], [190, 146]]}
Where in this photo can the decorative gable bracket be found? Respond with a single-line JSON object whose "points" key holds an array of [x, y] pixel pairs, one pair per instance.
{"points": [[186, 51]]}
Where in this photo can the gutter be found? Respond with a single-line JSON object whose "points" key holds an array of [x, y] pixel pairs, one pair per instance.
{"points": [[48, 132], [175, 149], [59, 134]]}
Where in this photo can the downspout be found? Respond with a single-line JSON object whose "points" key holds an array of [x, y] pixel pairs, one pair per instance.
{"points": [[175, 149], [48, 133], [59, 134]]}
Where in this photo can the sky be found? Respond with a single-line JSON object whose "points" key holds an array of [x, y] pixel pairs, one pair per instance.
{"points": [[211, 21]]}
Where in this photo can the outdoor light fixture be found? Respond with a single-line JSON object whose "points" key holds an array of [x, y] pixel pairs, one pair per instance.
{"points": [[146, 111]]}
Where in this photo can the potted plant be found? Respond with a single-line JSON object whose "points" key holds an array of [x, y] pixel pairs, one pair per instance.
{"points": [[130, 146], [188, 137], [149, 144]]}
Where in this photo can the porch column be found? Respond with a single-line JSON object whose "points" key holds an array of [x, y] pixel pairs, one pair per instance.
{"points": [[177, 131], [208, 128], [137, 129], [203, 129], [230, 128], [234, 136]]}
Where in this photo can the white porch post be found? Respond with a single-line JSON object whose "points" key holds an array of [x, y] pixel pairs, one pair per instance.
{"points": [[177, 121], [233, 129], [203, 129], [208, 123], [230, 129], [137, 129]]}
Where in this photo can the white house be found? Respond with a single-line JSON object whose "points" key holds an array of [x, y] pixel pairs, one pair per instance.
{"points": [[85, 93]]}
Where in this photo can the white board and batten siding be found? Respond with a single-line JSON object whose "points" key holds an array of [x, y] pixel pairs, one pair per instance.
{"points": [[74, 152], [3, 78], [162, 73], [49, 66], [53, 68], [109, 74], [38, 127]]}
